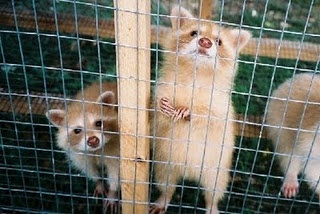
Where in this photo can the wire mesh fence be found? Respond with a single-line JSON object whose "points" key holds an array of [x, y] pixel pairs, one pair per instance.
{"points": [[53, 50]]}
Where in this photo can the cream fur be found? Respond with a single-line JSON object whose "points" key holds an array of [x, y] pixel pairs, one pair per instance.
{"points": [[200, 149], [293, 130], [83, 112]]}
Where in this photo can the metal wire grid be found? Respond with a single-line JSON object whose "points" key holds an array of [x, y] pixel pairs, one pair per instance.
{"points": [[38, 178], [34, 171]]}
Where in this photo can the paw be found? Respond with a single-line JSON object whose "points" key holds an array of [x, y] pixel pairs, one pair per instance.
{"points": [[166, 107], [290, 188], [100, 189], [181, 113], [111, 206], [169, 110], [157, 209]]}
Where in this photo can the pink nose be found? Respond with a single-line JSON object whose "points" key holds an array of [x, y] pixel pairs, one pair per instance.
{"points": [[93, 142], [205, 43]]}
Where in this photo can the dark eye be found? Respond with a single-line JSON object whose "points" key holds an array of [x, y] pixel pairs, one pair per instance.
{"points": [[194, 33], [98, 123], [218, 42], [77, 131]]}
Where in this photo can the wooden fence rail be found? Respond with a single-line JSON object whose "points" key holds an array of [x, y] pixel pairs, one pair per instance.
{"points": [[247, 127], [87, 26]]}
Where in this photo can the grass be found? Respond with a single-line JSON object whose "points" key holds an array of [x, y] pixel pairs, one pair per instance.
{"points": [[34, 175]]}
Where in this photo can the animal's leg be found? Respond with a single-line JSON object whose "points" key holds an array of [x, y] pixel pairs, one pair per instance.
{"points": [[312, 174], [110, 203], [166, 185], [290, 185], [214, 185]]}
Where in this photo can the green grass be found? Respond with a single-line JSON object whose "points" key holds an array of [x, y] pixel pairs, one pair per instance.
{"points": [[29, 71], [35, 171], [257, 80]]}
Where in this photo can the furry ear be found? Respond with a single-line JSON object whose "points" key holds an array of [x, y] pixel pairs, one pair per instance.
{"points": [[107, 97], [240, 38], [57, 117], [179, 16]]}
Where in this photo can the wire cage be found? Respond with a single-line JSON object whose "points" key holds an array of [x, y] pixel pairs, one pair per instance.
{"points": [[50, 50]]}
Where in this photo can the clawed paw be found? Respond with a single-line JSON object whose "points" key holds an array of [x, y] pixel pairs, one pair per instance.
{"points": [[110, 202], [169, 110], [100, 189], [111, 206], [156, 209], [181, 113], [290, 188], [166, 107]]}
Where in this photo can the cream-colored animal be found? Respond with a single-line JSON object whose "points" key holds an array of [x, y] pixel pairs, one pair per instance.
{"points": [[294, 116], [195, 91], [88, 132]]}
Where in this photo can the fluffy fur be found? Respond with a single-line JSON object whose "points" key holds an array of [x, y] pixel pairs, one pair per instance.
{"points": [[87, 131], [293, 116], [197, 76]]}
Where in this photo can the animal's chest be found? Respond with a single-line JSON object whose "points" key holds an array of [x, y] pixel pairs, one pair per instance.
{"points": [[201, 92], [84, 162], [192, 95], [206, 98]]}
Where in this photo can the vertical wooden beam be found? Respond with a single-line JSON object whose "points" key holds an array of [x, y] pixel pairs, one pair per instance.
{"points": [[207, 6], [132, 34]]}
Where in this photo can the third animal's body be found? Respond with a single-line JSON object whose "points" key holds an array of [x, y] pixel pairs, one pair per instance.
{"points": [[293, 118]]}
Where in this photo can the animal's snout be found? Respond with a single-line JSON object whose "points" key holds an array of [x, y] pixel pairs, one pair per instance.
{"points": [[93, 141], [205, 43]]}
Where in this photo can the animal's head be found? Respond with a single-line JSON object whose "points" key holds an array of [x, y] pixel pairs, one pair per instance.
{"points": [[204, 40], [86, 125]]}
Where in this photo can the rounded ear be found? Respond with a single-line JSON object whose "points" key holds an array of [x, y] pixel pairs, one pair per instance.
{"points": [[107, 97], [57, 117], [240, 38], [179, 16]]}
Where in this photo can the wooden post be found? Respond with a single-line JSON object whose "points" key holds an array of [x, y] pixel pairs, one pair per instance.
{"points": [[132, 34], [207, 8]]}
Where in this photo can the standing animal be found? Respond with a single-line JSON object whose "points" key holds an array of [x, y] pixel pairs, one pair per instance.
{"points": [[292, 120], [88, 132], [194, 115]]}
